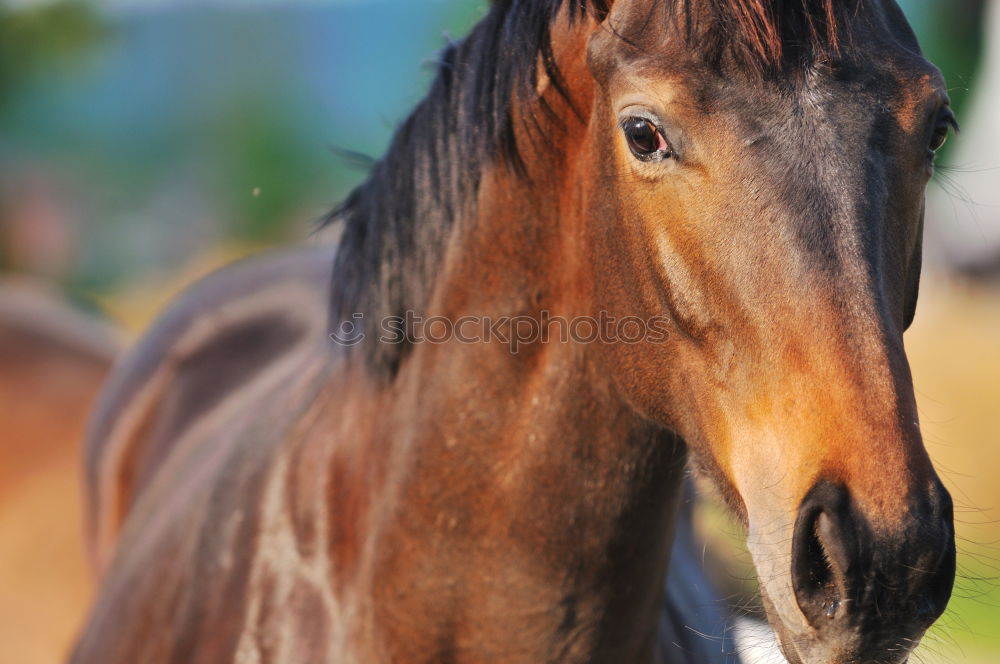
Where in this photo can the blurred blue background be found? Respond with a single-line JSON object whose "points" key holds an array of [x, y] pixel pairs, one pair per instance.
{"points": [[143, 142], [167, 126], [159, 127]]}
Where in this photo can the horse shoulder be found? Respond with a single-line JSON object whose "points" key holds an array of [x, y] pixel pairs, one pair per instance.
{"points": [[224, 334]]}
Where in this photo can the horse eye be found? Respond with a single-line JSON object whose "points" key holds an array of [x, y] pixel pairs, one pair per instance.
{"points": [[644, 139], [946, 122], [939, 137]]}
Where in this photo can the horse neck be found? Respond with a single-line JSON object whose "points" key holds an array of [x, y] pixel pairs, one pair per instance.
{"points": [[525, 502]]}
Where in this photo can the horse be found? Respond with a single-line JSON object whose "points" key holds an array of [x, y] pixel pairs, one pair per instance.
{"points": [[54, 360], [616, 240]]}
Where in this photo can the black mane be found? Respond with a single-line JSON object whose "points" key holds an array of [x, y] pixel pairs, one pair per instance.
{"points": [[396, 223]]}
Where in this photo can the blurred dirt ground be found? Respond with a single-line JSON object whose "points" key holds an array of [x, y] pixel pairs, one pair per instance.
{"points": [[53, 360]]}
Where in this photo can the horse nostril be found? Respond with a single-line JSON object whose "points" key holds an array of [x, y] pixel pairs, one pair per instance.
{"points": [[821, 554], [863, 589], [816, 588]]}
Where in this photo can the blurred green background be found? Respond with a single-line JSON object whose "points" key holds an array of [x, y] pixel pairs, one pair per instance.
{"points": [[145, 142]]}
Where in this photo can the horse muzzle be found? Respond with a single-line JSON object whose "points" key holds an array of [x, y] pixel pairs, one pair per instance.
{"points": [[864, 592]]}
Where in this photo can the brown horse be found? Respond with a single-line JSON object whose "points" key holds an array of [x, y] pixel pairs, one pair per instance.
{"points": [[728, 194]]}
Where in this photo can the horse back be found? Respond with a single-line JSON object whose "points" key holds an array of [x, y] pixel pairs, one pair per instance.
{"points": [[232, 330]]}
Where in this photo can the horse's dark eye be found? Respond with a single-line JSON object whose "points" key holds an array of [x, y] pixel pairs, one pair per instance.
{"points": [[945, 123], [939, 137], [644, 139]]}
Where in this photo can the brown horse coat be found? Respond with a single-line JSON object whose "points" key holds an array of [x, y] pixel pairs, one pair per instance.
{"points": [[217, 536], [743, 178]]}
